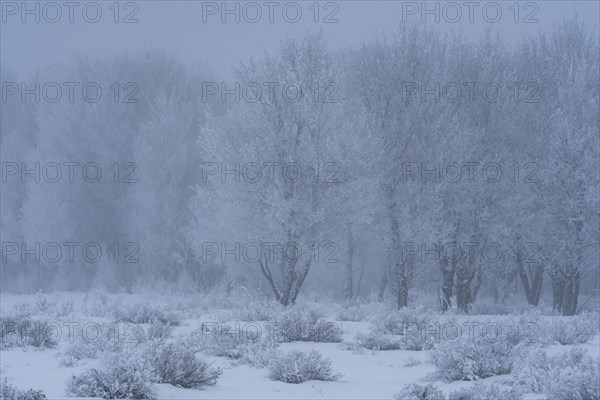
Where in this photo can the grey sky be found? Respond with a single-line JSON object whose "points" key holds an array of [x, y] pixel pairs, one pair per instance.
{"points": [[178, 26]]}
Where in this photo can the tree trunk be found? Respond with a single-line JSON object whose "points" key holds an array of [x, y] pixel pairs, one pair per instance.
{"points": [[463, 297], [536, 285], [557, 289], [447, 284], [465, 293], [475, 290], [349, 290], [532, 277], [511, 276], [299, 281], [292, 278], [360, 276], [571, 291], [402, 281], [402, 267], [463, 289], [565, 289], [382, 286]]}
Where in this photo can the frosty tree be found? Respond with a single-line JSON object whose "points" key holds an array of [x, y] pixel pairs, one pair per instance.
{"points": [[285, 134]]}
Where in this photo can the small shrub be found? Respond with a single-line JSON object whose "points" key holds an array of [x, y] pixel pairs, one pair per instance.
{"points": [[570, 375], [158, 331], [571, 330], [301, 325], [20, 331], [412, 362], [10, 392], [355, 348], [96, 304], [256, 350], [482, 391], [422, 340], [360, 312], [176, 364], [121, 376], [24, 309], [486, 307], [298, 367], [258, 354], [255, 310], [472, 359], [103, 338], [377, 341], [44, 306], [410, 325], [77, 351], [522, 329], [415, 391], [484, 352], [145, 313], [576, 383], [352, 313], [402, 322], [64, 309]]}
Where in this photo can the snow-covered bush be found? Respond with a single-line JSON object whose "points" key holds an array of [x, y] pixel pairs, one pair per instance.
{"points": [[412, 326], [426, 302], [75, 352], [145, 313], [472, 358], [93, 340], [571, 330], [21, 331], [401, 322], [569, 375], [157, 331], [306, 325], [257, 354], [421, 340], [43, 305], [487, 307], [255, 309], [532, 368], [120, 376], [484, 348], [23, 309], [408, 329], [248, 310], [414, 391], [10, 392], [411, 362], [238, 303], [96, 304], [493, 391], [525, 329], [377, 341], [244, 348], [298, 367], [352, 313], [575, 383], [64, 309], [360, 312], [176, 363]]}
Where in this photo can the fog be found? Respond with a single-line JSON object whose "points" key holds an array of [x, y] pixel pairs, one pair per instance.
{"points": [[345, 200]]}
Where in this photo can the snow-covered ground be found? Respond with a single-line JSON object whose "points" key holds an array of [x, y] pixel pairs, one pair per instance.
{"points": [[366, 374]]}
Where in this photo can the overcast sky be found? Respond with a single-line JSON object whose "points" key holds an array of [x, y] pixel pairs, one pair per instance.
{"points": [[194, 29]]}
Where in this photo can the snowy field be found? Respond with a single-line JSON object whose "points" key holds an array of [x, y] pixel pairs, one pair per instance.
{"points": [[366, 199], [374, 351]]}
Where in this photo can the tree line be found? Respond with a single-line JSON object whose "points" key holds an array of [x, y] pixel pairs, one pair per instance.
{"points": [[414, 140]]}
